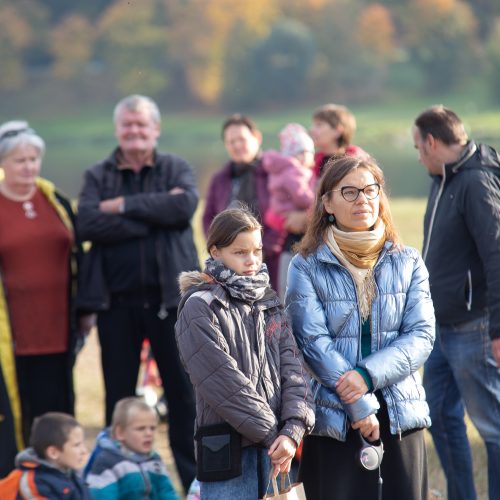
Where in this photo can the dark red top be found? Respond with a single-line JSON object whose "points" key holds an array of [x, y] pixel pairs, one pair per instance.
{"points": [[35, 249]]}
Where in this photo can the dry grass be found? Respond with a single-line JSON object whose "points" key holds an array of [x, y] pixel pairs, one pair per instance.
{"points": [[90, 393]]}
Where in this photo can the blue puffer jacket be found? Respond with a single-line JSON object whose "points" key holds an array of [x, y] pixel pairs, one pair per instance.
{"points": [[322, 303]]}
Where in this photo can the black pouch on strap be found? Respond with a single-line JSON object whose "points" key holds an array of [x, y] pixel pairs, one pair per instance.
{"points": [[218, 453]]}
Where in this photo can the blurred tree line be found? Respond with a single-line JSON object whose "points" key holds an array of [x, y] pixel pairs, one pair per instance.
{"points": [[250, 53]]}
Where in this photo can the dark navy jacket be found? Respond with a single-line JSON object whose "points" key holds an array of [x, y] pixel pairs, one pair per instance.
{"points": [[462, 238], [47, 481], [153, 234]]}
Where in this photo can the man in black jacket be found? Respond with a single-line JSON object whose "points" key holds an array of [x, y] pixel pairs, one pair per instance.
{"points": [[136, 208], [462, 254]]}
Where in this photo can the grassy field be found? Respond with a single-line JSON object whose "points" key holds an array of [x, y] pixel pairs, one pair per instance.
{"points": [[77, 138], [408, 214]]}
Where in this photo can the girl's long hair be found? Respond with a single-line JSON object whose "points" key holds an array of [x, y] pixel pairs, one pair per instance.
{"points": [[335, 170]]}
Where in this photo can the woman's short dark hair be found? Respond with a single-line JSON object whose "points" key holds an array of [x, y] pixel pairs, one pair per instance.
{"points": [[335, 170], [51, 429], [228, 224], [239, 119], [443, 124], [337, 115]]}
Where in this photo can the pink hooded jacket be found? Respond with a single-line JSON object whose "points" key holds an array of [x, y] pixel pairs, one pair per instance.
{"points": [[290, 185]]}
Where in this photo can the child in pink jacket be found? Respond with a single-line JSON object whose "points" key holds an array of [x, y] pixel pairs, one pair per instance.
{"points": [[290, 175]]}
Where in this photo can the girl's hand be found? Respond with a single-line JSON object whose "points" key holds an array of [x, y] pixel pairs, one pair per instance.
{"points": [[369, 427], [281, 453], [351, 386]]}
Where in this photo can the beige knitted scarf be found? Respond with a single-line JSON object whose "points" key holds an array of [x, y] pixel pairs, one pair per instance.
{"points": [[358, 251]]}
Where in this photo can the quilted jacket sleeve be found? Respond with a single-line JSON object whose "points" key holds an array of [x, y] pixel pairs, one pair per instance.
{"points": [[297, 407], [411, 348]]}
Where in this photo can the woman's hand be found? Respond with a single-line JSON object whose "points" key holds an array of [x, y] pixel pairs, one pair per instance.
{"points": [[281, 453], [369, 427], [351, 386]]}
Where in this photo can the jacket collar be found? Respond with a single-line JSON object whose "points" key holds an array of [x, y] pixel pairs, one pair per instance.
{"points": [[324, 254], [116, 159], [219, 294], [469, 150]]}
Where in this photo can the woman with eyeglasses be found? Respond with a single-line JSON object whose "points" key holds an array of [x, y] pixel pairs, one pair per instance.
{"points": [[362, 315], [38, 265]]}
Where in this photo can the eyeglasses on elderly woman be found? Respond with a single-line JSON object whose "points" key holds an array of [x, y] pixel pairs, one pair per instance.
{"points": [[351, 193]]}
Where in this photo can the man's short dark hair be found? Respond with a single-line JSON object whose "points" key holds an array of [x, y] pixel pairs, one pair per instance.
{"points": [[51, 429], [443, 124], [239, 119]]}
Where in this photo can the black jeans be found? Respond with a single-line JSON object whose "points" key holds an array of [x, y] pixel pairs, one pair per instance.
{"points": [[121, 333]]}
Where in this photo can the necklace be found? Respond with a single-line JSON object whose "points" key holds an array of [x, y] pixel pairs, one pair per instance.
{"points": [[25, 199], [29, 209]]}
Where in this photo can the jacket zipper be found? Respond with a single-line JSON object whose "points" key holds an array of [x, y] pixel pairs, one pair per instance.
{"points": [[147, 482], [468, 303], [433, 215], [398, 428]]}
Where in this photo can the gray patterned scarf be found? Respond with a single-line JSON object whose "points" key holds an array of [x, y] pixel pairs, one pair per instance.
{"points": [[247, 288]]}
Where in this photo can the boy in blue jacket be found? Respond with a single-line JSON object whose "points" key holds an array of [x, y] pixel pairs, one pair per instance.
{"points": [[48, 468], [123, 464]]}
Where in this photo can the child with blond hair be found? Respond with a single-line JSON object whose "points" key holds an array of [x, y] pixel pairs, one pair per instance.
{"points": [[124, 464]]}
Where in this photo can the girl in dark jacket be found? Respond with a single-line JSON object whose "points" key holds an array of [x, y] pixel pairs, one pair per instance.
{"points": [[252, 401]]}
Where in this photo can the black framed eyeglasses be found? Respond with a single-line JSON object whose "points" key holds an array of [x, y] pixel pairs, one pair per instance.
{"points": [[13, 133], [351, 193]]}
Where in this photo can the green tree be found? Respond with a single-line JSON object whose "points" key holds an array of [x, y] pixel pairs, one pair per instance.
{"points": [[132, 42], [441, 37], [71, 44], [493, 53], [15, 36], [202, 38], [278, 66]]}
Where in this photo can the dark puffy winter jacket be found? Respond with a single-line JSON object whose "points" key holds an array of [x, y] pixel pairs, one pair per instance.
{"points": [[245, 366]]}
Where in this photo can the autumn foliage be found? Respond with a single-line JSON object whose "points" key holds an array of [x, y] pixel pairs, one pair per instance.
{"points": [[218, 51]]}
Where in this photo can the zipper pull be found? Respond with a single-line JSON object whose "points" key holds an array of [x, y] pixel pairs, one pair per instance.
{"points": [[399, 432], [162, 313]]}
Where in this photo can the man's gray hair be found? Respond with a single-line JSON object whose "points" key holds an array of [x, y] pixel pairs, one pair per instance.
{"points": [[138, 102], [18, 133]]}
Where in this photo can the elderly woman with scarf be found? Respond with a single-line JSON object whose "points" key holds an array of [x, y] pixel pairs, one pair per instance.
{"points": [[362, 315]]}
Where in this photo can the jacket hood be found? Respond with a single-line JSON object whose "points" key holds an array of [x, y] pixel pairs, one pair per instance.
{"points": [[188, 279], [195, 281], [274, 162], [29, 458], [486, 157]]}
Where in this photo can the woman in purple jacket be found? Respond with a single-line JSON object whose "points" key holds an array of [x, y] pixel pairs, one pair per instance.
{"points": [[243, 180]]}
